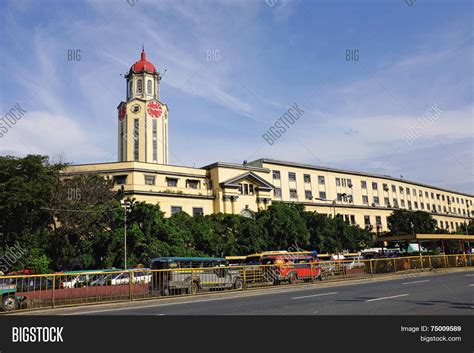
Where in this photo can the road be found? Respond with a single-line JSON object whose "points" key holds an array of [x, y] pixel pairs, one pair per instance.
{"points": [[449, 293]]}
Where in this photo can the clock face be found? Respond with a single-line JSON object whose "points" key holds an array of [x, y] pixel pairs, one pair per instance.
{"points": [[154, 109], [122, 111], [135, 108]]}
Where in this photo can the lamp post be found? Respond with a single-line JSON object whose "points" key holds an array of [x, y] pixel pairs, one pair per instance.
{"points": [[333, 203], [126, 208]]}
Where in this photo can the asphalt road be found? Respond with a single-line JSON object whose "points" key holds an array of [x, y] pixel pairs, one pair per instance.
{"points": [[433, 294]]}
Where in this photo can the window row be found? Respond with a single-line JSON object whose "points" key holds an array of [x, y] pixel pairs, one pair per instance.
{"points": [[151, 180], [276, 174], [197, 211], [139, 87], [414, 192]]}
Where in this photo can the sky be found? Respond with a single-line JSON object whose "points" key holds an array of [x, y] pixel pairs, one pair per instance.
{"points": [[364, 73]]}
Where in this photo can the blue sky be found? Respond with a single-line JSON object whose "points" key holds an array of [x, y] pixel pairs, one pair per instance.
{"points": [[270, 57]]}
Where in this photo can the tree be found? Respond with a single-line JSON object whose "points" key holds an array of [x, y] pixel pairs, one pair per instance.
{"points": [[284, 226], [27, 185], [408, 222]]}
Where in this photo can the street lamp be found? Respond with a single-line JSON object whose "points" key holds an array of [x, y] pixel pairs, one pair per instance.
{"points": [[333, 202], [126, 205]]}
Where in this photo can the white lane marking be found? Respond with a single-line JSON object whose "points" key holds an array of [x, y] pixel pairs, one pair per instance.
{"points": [[315, 312], [425, 280], [471, 285], [470, 275], [315, 295], [383, 298], [159, 314]]}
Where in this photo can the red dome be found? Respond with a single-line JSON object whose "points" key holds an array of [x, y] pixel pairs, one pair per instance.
{"points": [[143, 65]]}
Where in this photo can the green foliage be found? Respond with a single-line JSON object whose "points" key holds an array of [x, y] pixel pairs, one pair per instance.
{"points": [[408, 222]]}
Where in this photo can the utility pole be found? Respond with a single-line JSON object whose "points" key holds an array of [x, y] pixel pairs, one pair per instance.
{"points": [[126, 208]]}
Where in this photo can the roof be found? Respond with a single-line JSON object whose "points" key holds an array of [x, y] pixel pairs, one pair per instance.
{"points": [[409, 237], [262, 183], [345, 171], [143, 65], [177, 258], [236, 166]]}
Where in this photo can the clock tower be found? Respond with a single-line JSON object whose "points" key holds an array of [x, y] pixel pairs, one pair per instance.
{"points": [[142, 118]]}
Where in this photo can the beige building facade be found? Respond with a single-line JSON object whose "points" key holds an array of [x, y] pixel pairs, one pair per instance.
{"points": [[143, 172]]}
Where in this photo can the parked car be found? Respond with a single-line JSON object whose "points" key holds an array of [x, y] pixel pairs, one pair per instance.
{"points": [[356, 263]]}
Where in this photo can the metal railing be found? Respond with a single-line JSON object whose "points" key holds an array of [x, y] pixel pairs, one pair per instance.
{"points": [[61, 289]]}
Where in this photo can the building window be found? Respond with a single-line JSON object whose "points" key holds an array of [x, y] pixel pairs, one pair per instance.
{"points": [[139, 86], [387, 201], [192, 184], [363, 184], [422, 205], [395, 203], [136, 126], [276, 175], [378, 220], [176, 209], [308, 195], [293, 194], [427, 195], [408, 191], [432, 195], [246, 189], [414, 192], [367, 221], [403, 203], [462, 201], [322, 195], [130, 88], [365, 200], [415, 204], [420, 193], [120, 179], [321, 180], [292, 176], [338, 182], [376, 200], [409, 204], [438, 196], [154, 140], [401, 189], [442, 197], [172, 182], [149, 85], [394, 188], [277, 192], [197, 211], [353, 219], [307, 178], [374, 186], [444, 209], [122, 142], [149, 180]]}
